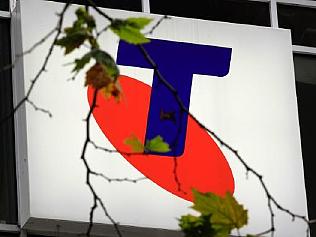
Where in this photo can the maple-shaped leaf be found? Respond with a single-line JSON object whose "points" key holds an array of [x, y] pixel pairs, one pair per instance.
{"points": [[79, 32], [138, 22], [135, 144], [74, 39], [129, 29], [226, 213], [157, 144], [98, 77]]}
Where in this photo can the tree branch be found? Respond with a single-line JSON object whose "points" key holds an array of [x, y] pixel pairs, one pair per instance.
{"points": [[42, 68], [269, 196], [89, 172]]}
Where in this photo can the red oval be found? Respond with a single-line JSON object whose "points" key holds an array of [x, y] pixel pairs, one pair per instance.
{"points": [[202, 165]]}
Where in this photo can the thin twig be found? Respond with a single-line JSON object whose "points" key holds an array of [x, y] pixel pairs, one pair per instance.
{"points": [[89, 172], [36, 108], [165, 17], [102, 31], [42, 68], [95, 7], [30, 50], [38, 43], [175, 175], [116, 150], [118, 179]]}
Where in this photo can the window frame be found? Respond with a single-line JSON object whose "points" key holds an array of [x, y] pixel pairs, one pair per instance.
{"points": [[22, 185]]}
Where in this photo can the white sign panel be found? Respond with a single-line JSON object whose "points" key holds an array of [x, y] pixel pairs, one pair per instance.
{"points": [[246, 95]]}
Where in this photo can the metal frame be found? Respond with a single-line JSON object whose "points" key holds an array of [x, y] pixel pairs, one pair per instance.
{"points": [[9, 228], [5, 14], [274, 14], [146, 6], [301, 3], [19, 118]]}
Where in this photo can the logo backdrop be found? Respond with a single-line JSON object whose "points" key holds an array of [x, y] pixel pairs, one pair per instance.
{"points": [[237, 79]]}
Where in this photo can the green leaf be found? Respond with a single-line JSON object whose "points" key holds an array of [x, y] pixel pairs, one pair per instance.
{"points": [[105, 59], [196, 226], [80, 63], [129, 29], [226, 213], [73, 39], [138, 22], [83, 17], [134, 143], [79, 32], [157, 144]]}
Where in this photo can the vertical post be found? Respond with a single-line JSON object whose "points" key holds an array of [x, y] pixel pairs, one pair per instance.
{"points": [[274, 14], [146, 6], [22, 175]]}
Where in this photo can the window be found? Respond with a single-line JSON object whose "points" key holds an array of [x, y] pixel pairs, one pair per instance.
{"points": [[235, 11], [4, 5], [305, 74], [301, 21], [8, 235], [8, 200], [132, 5]]}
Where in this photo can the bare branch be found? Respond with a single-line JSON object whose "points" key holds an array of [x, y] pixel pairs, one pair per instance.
{"points": [[270, 198], [42, 68], [118, 179], [95, 7], [116, 151], [165, 17], [45, 111], [102, 31], [89, 172], [30, 50], [175, 175], [38, 43]]}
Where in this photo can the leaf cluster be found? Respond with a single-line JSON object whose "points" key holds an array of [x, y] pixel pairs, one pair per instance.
{"points": [[104, 73], [196, 226], [79, 32], [157, 144], [129, 29], [219, 215]]}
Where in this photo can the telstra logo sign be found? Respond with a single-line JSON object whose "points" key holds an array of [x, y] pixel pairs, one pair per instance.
{"points": [[150, 111]]}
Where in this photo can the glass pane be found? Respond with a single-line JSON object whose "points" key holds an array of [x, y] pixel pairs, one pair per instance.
{"points": [[4, 5], [235, 11], [132, 5], [305, 75], [8, 235], [306, 97], [305, 68], [8, 201], [301, 21]]}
